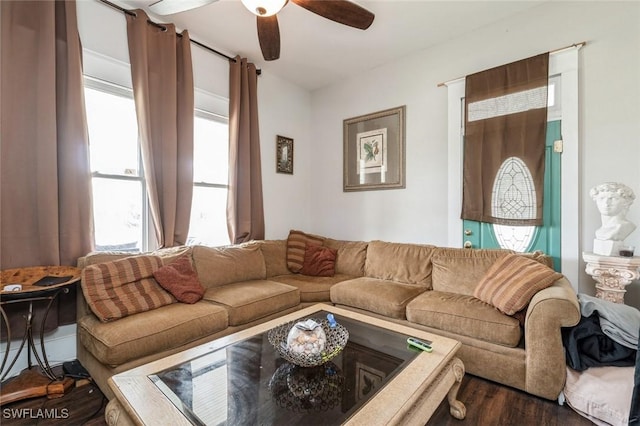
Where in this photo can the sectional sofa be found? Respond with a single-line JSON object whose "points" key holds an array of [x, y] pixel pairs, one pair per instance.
{"points": [[427, 287]]}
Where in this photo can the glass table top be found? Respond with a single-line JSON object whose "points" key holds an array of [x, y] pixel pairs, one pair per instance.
{"points": [[248, 383]]}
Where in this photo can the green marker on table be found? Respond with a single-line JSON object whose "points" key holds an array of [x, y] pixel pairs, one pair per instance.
{"points": [[423, 345]]}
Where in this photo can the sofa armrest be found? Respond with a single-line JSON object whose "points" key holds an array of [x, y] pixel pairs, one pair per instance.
{"points": [[549, 310]]}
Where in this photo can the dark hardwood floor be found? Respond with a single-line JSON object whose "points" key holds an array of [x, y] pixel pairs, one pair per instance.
{"points": [[82, 405], [491, 404], [487, 404]]}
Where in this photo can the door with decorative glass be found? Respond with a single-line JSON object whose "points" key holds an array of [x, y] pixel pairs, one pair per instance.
{"points": [[513, 186]]}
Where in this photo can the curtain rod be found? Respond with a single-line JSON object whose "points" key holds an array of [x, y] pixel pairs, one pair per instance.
{"points": [[164, 28], [562, 49]]}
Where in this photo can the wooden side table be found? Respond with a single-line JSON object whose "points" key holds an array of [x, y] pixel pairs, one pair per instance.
{"points": [[32, 383], [612, 274]]}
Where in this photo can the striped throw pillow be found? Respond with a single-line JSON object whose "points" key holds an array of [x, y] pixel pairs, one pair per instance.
{"points": [[124, 287], [511, 282], [297, 243]]}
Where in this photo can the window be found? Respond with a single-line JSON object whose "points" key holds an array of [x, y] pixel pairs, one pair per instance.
{"points": [[208, 224], [121, 215], [119, 207]]}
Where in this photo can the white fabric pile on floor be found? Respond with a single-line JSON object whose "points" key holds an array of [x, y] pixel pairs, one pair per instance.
{"points": [[601, 394]]}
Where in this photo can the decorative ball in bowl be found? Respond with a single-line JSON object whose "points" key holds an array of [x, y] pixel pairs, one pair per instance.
{"points": [[310, 342]]}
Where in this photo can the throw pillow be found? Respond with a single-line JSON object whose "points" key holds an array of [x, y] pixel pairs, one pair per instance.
{"points": [[512, 281], [123, 287], [297, 243], [319, 261], [180, 279]]}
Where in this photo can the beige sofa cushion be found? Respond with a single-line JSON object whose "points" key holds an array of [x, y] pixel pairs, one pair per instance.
{"points": [[312, 289], [383, 297], [251, 300], [275, 257], [460, 274], [464, 315], [404, 263], [151, 332], [217, 266], [351, 256]]}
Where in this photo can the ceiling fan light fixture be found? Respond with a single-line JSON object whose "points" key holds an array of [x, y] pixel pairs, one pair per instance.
{"points": [[264, 7]]}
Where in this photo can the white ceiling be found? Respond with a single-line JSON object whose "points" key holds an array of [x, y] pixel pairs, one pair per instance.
{"points": [[316, 52]]}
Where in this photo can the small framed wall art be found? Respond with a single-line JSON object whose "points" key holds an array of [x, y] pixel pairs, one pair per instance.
{"points": [[284, 155], [374, 151]]}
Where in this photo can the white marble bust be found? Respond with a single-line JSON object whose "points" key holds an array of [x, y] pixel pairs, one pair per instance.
{"points": [[613, 201]]}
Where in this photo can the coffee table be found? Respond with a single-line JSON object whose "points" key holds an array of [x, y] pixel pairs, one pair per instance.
{"points": [[241, 379]]}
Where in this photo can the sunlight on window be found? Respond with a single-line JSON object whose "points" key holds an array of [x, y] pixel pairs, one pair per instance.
{"points": [[113, 133], [118, 192], [208, 224], [118, 222]]}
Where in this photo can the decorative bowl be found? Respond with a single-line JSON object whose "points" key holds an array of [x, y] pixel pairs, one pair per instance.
{"points": [[336, 340]]}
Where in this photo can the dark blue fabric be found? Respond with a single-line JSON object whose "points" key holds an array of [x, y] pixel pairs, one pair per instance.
{"points": [[634, 414]]}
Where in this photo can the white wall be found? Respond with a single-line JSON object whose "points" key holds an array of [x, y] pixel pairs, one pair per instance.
{"points": [[284, 110], [609, 102]]}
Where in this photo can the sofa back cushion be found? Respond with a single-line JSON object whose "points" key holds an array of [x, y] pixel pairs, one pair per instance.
{"points": [[275, 257], [123, 287], [404, 263], [218, 266], [460, 270], [459, 275], [350, 256]]}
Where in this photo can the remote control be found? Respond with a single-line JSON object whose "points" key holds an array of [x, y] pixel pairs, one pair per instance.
{"points": [[424, 345]]}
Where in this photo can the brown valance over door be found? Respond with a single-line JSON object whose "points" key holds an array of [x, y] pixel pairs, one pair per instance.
{"points": [[504, 143]]}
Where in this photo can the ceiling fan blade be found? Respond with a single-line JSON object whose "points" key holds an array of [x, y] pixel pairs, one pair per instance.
{"points": [[341, 11], [269, 37], [168, 7]]}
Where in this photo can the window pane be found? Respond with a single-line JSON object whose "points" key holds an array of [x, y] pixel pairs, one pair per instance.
{"points": [[209, 217], [118, 222], [210, 151], [113, 133]]}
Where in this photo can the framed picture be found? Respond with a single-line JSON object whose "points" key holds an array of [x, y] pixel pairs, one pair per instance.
{"points": [[374, 154], [284, 155]]}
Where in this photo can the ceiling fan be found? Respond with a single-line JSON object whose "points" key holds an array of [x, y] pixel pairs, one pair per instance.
{"points": [[342, 11]]}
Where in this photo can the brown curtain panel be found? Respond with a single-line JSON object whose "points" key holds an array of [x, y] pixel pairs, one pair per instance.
{"points": [[46, 215], [245, 213], [162, 76], [504, 143]]}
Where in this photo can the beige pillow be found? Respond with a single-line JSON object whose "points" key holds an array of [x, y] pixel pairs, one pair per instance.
{"points": [[512, 281], [124, 287], [297, 243]]}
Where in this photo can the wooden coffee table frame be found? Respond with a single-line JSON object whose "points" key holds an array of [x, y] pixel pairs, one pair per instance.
{"points": [[411, 397]]}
